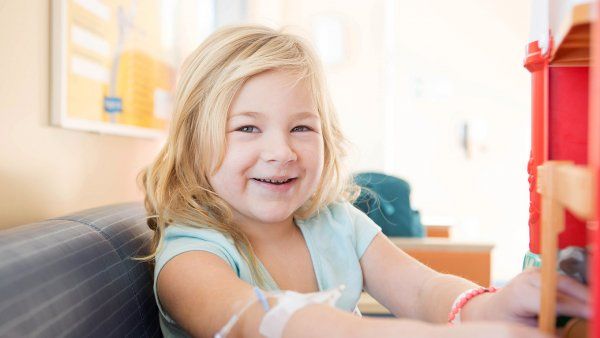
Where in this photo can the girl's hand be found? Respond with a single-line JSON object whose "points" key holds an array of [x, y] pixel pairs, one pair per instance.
{"points": [[519, 300]]}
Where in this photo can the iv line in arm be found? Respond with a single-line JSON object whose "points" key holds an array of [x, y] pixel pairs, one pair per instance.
{"points": [[288, 302]]}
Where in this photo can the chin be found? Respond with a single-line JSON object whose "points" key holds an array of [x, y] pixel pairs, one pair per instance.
{"points": [[269, 215]]}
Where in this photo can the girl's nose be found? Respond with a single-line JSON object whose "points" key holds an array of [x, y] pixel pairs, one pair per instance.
{"points": [[277, 148]]}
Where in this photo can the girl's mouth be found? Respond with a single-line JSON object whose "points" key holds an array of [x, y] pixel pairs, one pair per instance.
{"points": [[273, 181], [276, 185]]}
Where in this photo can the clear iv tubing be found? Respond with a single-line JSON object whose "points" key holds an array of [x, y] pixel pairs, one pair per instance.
{"points": [[260, 297]]}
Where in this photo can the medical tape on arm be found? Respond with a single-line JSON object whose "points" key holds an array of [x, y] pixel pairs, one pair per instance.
{"points": [[274, 321]]}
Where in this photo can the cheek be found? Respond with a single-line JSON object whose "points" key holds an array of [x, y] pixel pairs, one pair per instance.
{"points": [[236, 162], [237, 154], [227, 182], [313, 154]]}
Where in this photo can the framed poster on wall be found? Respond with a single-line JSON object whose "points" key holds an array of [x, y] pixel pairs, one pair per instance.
{"points": [[114, 62]]}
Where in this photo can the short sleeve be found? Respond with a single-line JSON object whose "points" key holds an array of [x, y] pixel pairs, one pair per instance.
{"points": [[356, 224], [179, 239], [365, 229]]}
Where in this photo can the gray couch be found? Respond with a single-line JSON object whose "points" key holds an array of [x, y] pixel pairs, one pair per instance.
{"points": [[71, 276]]}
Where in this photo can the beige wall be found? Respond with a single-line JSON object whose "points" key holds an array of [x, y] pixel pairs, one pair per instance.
{"points": [[46, 171]]}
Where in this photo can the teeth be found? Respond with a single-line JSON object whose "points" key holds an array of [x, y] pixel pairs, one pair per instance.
{"points": [[272, 181]]}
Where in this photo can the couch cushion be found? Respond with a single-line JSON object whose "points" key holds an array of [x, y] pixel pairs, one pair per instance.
{"points": [[73, 276]]}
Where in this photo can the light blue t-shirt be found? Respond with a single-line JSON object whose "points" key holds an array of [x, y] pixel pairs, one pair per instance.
{"points": [[337, 237]]}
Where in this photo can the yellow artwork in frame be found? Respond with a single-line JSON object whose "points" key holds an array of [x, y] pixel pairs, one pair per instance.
{"points": [[115, 62]]}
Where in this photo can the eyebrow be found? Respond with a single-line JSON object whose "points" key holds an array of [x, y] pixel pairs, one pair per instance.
{"points": [[297, 116]]}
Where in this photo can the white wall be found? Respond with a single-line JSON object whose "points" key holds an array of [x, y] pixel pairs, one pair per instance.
{"points": [[462, 61]]}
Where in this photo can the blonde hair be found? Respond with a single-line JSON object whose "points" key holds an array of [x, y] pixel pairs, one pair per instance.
{"points": [[176, 184]]}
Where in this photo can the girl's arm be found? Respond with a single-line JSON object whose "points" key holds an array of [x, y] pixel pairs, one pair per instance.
{"points": [[410, 289], [407, 287], [201, 292]]}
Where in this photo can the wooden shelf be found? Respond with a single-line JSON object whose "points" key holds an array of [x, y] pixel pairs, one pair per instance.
{"points": [[437, 231], [440, 244], [572, 37]]}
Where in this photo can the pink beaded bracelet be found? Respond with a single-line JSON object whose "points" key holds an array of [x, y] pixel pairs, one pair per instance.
{"points": [[462, 299]]}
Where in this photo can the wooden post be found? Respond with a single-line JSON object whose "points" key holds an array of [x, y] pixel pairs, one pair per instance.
{"points": [[562, 186], [552, 224]]}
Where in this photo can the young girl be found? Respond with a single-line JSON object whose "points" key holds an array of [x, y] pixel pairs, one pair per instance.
{"points": [[250, 190]]}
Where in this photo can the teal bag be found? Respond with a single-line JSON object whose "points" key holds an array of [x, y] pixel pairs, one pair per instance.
{"points": [[386, 200]]}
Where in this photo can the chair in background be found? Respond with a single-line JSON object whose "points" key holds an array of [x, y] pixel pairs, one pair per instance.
{"points": [[386, 200]]}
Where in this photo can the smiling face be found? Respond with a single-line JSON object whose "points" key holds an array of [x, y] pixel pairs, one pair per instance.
{"points": [[274, 155]]}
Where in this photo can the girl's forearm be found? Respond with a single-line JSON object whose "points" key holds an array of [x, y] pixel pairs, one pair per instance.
{"points": [[325, 321], [437, 295], [320, 320]]}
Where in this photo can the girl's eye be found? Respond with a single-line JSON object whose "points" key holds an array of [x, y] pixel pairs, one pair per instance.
{"points": [[301, 128], [248, 129]]}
